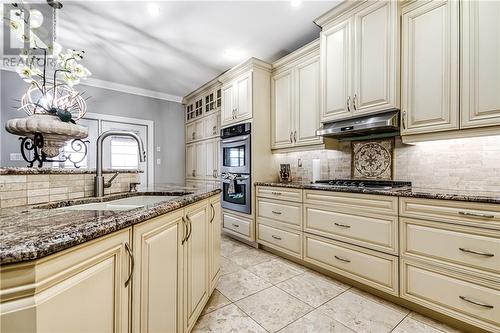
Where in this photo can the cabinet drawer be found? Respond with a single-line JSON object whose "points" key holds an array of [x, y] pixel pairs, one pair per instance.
{"points": [[378, 232], [470, 247], [470, 213], [282, 193], [285, 212], [236, 224], [372, 268], [286, 241], [347, 202], [452, 294]]}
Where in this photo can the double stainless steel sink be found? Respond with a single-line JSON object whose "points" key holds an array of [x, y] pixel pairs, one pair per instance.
{"points": [[124, 204]]}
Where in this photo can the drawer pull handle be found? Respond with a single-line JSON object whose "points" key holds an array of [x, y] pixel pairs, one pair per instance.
{"points": [[236, 225], [476, 302], [131, 255], [342, 225], [486, 216], [276, 237], [276, 193], [342, 259], [275, 212], [476, 252]]}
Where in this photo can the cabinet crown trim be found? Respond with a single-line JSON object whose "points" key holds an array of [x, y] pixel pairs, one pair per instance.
{"points": [[308, 50], [250, 64]]}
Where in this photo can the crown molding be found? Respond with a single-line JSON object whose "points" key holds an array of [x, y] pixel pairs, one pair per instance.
{"points": [[92, 82], [210, 85]]}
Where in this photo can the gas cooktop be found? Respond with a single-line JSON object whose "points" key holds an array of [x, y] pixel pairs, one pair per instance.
{"points": [[368, 184]]}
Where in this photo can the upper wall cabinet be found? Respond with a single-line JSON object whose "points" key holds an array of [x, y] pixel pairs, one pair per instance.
{"points": [[480, 59], [430, 67], [295, 99], [245, 87], [359, 59], [237, 99]]}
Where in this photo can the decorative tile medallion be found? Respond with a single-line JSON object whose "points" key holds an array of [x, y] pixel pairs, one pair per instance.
{"points": [[372, 159]]}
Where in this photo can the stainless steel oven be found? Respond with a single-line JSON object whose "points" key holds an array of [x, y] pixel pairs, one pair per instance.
{"points": [[235, 167], [235, 149], [237, 198]]}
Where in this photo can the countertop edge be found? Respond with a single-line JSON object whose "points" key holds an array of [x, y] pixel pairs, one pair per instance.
{"points": [[53, 171], [409, 193], [25, 253]]}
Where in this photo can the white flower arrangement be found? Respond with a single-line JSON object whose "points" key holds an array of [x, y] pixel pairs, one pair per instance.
{"points": [[49, 95]]}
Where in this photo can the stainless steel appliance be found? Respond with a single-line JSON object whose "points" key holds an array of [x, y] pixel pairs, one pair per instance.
{"points": [[239, 199], [386, 124], [236, 168]]}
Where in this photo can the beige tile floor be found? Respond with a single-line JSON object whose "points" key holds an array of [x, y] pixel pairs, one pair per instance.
{"points": [[260, 292]]}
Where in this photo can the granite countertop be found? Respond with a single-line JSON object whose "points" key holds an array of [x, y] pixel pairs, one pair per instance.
{"points": [[33, 232], [470, 196], [57, 171]]}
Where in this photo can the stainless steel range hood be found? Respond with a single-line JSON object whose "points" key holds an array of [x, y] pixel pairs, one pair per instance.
{"points": [[382, 124]]}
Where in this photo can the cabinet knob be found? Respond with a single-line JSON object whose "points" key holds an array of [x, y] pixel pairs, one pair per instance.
{"points": [[349, 103], [354, 102], [403, 120]]}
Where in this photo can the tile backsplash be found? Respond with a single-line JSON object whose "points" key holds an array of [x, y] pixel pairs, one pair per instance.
{"points": [[458, 164], [20, 190]]}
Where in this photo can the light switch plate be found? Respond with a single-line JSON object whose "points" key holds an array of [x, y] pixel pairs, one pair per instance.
{"points": [[158, 161], [158, 148], [299, 163], [16, 157]]}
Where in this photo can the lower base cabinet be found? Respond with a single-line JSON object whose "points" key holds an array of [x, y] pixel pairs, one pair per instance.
{"points": [[454, 293], [214, 241], [195, 263], [157, 280], [161, 271], [81, 289]]}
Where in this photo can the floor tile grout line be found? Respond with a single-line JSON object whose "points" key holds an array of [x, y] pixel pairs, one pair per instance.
{"points": [[249, 316], [392, 330]]}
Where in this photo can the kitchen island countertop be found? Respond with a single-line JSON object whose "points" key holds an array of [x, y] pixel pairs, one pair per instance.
{"points": [[33, 232]]}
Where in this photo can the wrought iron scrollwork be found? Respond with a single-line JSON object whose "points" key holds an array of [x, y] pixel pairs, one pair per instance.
{"points": [[35, 145]]}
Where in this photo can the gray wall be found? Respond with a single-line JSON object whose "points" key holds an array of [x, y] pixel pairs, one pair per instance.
{"points": [[168, 118]]}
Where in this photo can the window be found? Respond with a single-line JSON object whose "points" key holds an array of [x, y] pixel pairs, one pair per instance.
{"points": [[68, 150], [124, 153]]}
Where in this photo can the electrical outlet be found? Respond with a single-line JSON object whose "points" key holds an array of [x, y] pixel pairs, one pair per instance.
{"points": [[158, 149], [299, 163], [16, 157], [158, 161]]}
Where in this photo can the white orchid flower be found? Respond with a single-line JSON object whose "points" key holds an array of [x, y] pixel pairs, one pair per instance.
{"points": [[27, 73], [80, 71], [71, 80]]}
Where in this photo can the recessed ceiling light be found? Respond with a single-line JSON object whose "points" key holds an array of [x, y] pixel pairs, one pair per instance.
{"points": [[153, 9], [233, 54], [295, 3]]}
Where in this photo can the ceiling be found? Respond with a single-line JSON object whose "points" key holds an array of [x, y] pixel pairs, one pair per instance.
{"points": [[174, 47]]}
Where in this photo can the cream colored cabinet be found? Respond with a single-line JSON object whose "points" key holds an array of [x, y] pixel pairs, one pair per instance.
{"points": [[359, 61], [212, 126], [190, 161], [376, 58], [336, 71], [430, 67], [86, 289], [237, 100], [212, 158], [196, 265], [480, 59], [282, 109], [296, 104], [195, 130], [307, 105], [200, 155], [227, 110], [157, 282], [214, 241]]}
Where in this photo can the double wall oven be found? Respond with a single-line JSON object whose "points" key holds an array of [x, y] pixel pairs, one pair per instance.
{"points": [[236, 164]]}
